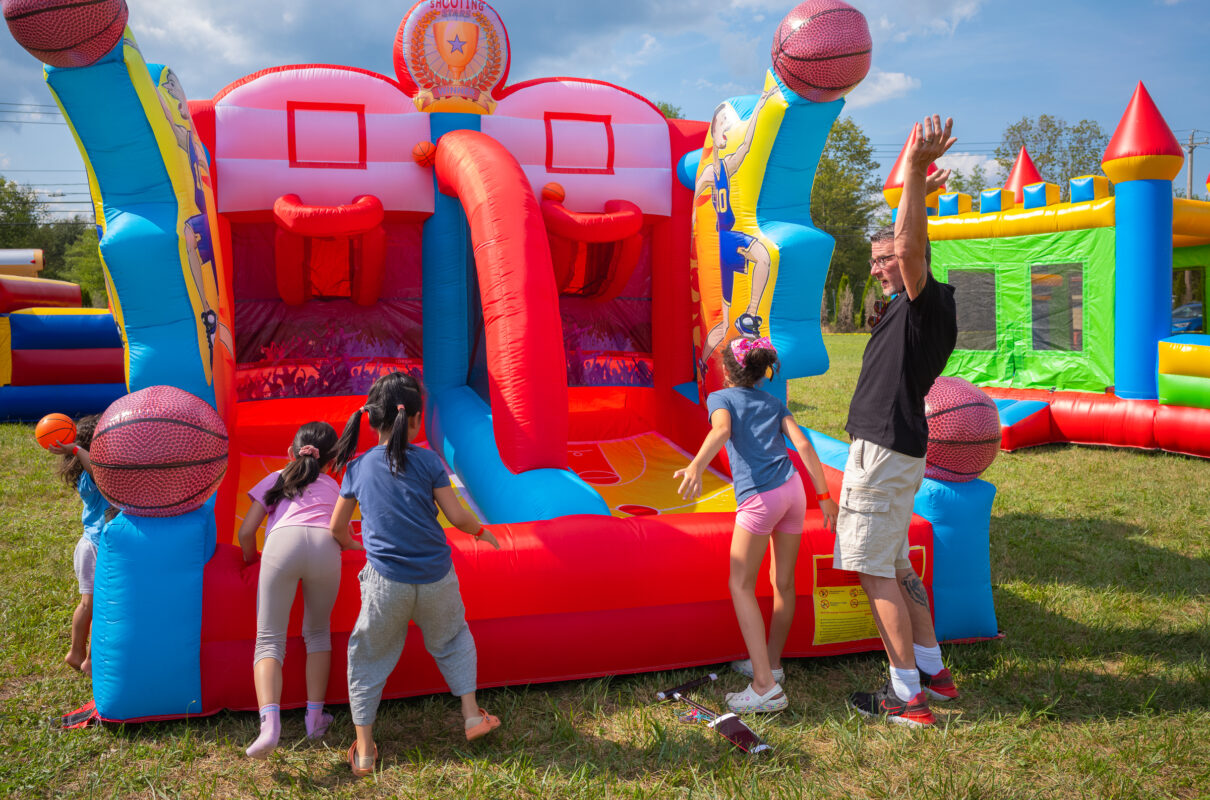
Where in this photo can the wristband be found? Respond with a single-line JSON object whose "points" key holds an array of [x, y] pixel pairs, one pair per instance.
{"points": [[75, 449], [478, 533], [824, 496]]}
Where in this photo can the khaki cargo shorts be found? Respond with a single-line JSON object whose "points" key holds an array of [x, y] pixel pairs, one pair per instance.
{"points": [[876, 500]]}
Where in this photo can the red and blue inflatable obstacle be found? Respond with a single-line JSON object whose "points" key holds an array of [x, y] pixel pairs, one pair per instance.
{"points": [[54, 355]]}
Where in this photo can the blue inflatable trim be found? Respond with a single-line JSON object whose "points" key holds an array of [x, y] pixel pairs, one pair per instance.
{"points": [[460, 430]]}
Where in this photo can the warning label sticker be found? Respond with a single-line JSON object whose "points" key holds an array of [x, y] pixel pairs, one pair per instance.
{"points": [[842, 609]]}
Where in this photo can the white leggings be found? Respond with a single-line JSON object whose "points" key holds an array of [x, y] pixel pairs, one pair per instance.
{"points": [[296, 553]]}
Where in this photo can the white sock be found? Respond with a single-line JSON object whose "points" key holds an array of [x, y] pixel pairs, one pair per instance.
{"points": [[905, 682], [929, 658]]}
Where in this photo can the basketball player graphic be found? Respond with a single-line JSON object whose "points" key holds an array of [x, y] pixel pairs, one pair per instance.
{"points": [[738, 252], [199, 247]]}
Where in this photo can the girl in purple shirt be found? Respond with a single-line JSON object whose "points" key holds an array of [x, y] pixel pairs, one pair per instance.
{"points": [[298, 502]]}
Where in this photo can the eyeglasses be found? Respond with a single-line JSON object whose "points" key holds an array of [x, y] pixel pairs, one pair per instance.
{"points": [[882, 261], [879, 309]]}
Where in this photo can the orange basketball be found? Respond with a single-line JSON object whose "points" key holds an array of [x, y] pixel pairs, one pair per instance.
{"points": [[424, 154], [55, 429], [554, 191]]}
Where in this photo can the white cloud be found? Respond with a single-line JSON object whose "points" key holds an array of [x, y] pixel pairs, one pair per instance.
{"points": [[968, 163], [881, 86]]}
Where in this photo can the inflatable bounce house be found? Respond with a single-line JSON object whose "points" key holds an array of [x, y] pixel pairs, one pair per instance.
{"points": [[1066, 310], [54, 355], [560, 263]]}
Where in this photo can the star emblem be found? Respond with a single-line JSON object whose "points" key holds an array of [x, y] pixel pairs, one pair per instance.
{"points": [[456, 44]]}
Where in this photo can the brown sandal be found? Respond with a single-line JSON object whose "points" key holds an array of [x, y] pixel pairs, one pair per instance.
{"points": [[487, 723], [359, 771]]}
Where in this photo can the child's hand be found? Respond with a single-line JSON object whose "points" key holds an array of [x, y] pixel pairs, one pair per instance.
{"points": [[61, 449], [691, 482], [830, 512], [486, 536]]}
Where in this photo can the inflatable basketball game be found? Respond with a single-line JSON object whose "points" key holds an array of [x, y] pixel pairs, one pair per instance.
{"points": [[557, 260]]}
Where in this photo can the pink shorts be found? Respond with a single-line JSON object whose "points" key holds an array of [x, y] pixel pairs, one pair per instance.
{"points": [[782, 509]]}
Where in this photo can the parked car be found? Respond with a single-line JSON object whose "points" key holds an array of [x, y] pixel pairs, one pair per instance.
{"points": [[1188, 318]]}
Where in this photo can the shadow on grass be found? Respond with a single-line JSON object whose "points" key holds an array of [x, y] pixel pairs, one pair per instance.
{"points": [[594, 730], [1091, 552]]}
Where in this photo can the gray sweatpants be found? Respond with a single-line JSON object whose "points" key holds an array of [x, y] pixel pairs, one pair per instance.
{"points": [[382, 626]]}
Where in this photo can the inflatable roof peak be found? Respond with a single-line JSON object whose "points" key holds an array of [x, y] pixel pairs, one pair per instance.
{"points": [[1022, 174], [1143, 147]]}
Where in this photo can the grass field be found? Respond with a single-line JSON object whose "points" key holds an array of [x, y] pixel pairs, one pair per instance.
{"points": [[1100, 688]]}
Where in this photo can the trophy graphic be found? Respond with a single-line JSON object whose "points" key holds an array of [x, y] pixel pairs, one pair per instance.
{"points": [[457, 41]]}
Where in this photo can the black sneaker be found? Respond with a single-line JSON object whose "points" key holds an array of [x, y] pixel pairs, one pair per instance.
{"points": [[940, 686], [885, 703]]}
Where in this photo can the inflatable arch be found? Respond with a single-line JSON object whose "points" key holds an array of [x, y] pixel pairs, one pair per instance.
{"points": [[543, 235]]}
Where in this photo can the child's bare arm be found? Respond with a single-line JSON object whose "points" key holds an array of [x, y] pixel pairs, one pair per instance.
{"points": [[73, 449], [247, 530], [810, 459], [461, 517], [341, 526], [691, 476]]}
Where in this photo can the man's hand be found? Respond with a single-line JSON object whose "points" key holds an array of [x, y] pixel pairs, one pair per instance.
{"points": [[929, 142], [935, 181]]}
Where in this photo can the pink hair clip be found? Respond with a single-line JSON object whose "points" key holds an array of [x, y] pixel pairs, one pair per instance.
{"points": [[308, 450], [741, 346]]}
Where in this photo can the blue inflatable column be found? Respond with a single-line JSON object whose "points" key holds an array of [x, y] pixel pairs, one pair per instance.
{"points": [[962, 579], [1142, 284], [147, 611]]}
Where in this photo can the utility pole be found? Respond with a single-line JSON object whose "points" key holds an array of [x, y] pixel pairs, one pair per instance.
{"points": [[1189, 148]]}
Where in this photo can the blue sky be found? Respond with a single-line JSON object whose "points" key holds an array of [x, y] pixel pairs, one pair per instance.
{"points": [[987, 63]]}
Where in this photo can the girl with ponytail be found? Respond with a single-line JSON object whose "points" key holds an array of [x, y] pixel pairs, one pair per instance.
{"points": [[298, 502], [409, 573], [772, 507]]}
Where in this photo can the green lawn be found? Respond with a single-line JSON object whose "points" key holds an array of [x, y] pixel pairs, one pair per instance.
{"points": [[1100, 688]]}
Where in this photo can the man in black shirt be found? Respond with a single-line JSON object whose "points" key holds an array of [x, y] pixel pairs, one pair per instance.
{"points": [[907, 350]]}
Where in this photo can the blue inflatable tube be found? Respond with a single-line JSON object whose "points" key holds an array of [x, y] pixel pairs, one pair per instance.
{"points": [[83, 331], [1142, 306], [783, 211], [73, 399], [460, 429], [147, 611]]}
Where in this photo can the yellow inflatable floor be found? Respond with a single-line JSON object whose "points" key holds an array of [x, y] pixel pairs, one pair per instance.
{"points": [[634, 476]]}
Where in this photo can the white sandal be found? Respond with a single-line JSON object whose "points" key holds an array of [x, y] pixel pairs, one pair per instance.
{"points": [[749, 702], [745, 668]]}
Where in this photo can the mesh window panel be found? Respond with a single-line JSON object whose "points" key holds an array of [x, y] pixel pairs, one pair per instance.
{"points": [[1058, 306], [1188, 293], [975, 298]]}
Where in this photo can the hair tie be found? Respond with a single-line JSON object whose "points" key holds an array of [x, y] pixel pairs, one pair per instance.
{"points": [[308, 450], [399, 407], [363, 410], [742, 345]]}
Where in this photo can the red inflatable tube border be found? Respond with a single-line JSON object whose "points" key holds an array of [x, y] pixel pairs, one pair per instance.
{"points": [[59, 367], [352, 219], [523, 331]]}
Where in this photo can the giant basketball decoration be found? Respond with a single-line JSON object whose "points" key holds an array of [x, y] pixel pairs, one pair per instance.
{"points": [[159, 452], [822, 49], [964, 430], [66, 33]]}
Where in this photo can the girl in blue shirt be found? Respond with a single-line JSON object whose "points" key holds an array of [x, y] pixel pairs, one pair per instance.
{"points": [[771, 503], [409, 574]]}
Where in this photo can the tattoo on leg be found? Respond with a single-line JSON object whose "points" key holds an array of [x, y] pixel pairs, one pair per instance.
{"points": [[915, 590]]}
